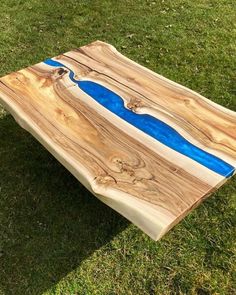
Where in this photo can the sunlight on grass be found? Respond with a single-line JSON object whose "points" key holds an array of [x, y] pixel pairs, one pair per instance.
{"points": [[55, 237], [2, 112]]}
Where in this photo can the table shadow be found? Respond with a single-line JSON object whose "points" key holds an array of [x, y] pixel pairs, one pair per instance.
{"points": [[49, 223]]}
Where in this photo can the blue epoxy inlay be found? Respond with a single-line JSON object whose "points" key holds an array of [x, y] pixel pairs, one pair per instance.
{"points": [[148, 124]]}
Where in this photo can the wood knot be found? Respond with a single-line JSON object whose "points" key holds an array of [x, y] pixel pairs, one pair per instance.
{"points": [[62, 71], [105, 179], [134, 104], [124, 167]]}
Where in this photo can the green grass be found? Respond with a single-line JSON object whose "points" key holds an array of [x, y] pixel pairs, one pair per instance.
{"points": [[55, 237]]}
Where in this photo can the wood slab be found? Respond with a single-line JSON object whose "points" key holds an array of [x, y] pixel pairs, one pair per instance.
{"points": [[147, 147]]}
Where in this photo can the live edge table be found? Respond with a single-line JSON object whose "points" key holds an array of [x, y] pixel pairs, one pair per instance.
{"points": [[147, 147]]}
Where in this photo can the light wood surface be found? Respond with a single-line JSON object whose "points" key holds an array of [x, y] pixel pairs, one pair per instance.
{"points": [[148, 147]]}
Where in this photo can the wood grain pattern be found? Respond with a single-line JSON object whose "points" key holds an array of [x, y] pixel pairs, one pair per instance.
{"points": [[146, 146]]}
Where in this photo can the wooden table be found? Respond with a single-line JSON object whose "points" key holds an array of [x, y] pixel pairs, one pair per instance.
{"points": [[147, 147]]}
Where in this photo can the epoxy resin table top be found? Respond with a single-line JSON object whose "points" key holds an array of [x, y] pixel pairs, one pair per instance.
{"points": [[148, 147]]}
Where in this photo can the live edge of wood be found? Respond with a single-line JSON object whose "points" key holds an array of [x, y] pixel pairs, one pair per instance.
{"points": [[150, 184]]}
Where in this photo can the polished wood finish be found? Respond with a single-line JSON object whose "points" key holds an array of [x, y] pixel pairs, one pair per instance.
{"points": [[150, 183]]}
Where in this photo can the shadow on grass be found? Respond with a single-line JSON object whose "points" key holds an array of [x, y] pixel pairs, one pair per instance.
{"points": [[49, 223]]}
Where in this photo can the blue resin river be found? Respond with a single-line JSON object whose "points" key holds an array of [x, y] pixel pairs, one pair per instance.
{"points": [[148, 124]]}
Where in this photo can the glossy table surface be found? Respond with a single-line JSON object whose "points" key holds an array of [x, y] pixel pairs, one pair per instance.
{"points": [[146, 146]]}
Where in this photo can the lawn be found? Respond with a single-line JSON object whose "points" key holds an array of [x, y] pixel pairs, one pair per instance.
{"points": [[55, 237]]}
